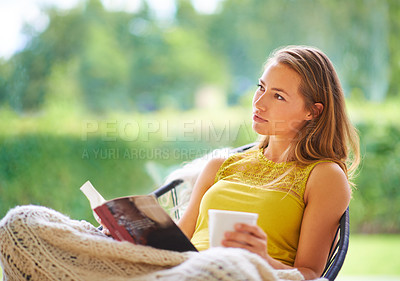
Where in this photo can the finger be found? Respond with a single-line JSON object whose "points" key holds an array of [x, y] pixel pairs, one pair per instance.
{"points": [[246, 241], [106, 231], [236, 244], [245, 238], [259, 249], [253, 229]]}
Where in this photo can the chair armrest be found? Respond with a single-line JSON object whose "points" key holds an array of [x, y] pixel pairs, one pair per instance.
{"points": [[165, 188], [338, 251]]}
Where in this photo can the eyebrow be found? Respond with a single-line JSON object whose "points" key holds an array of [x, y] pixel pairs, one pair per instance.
{"points": [[280, 90], [274, 89]]}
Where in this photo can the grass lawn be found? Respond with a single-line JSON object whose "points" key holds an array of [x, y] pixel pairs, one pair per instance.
{"points": [[376, 256], [373, 255]]}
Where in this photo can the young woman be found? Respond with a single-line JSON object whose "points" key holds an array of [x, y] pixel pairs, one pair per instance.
{"points": [[298, 179]]}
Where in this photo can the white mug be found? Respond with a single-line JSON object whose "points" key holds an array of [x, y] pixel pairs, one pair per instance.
{"points": [[221, 221]]}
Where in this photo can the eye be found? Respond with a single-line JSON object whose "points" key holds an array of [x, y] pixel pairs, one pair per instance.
{"points": [[279, 97], [260, 87]]}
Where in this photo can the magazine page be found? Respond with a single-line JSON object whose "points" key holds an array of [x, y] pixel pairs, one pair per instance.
{"points": [[141, 220], [137, 219]]}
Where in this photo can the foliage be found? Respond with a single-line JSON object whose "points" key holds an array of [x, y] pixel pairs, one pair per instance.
{"points": [[41, 164], [65, 98], [46, 158], [377, 197], [134, 61]]}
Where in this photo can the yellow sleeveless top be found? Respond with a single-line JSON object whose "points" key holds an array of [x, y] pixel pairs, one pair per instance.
{"points": [[249, 182]]}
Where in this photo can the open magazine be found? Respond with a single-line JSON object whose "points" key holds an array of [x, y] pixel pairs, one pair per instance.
{"points": [[138, 219]]}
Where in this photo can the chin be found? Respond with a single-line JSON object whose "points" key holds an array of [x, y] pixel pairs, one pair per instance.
{"points": [[261, 131]]}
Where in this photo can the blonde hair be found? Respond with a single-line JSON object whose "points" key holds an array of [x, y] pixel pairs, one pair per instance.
{"points": [[330, 134]]}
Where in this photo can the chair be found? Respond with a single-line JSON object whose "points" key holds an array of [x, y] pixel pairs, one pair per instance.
{"points": [[339, 247]]}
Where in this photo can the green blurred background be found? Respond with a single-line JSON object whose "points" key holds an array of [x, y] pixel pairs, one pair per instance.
{"points": [[122, 95]]}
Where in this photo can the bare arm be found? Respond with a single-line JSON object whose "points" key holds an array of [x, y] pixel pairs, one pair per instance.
{"points": [[204, 181], [327, 197]]}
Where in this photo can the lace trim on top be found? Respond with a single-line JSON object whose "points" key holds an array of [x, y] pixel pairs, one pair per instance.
{"points": [[254, 169]]}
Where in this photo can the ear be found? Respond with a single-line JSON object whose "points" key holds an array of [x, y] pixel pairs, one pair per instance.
{"points": [[318, 108], [316, 111]]}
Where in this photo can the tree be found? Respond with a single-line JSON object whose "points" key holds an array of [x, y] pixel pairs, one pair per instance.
{"points": [[130, 62]]}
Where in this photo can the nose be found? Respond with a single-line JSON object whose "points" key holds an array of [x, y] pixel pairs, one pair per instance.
{"points": [[259, 100]]}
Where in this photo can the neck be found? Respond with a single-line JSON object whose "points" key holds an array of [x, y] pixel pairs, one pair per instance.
{"points": [[278, 149]]}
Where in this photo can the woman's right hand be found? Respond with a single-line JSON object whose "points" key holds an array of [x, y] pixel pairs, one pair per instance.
{"points": [[104, 229]]}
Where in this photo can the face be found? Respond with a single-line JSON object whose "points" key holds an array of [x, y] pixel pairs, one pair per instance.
{"points": [[278, 107]]}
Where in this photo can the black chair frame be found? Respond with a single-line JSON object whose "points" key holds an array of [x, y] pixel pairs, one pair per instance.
{"points": [[339, 245]]}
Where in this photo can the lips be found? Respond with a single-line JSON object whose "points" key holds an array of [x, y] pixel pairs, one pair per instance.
{"points": [[258, 119]]}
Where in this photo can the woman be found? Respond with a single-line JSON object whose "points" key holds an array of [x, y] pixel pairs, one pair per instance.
{"points": [[297, 180]]}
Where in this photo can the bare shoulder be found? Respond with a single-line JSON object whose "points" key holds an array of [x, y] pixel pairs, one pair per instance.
{"points": [[215, 163], [211, 168], [207, 175], [328, 181], [327, 169], [204, 181]]}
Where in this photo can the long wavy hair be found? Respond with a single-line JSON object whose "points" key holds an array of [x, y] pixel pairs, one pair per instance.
{"points": [[330, 135]]}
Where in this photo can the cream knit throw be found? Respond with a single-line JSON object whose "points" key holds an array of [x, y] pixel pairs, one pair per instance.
{"points": [[38, 243]]}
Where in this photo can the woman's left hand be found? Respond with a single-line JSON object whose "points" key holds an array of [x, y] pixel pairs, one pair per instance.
{"points": [[250, 237]]}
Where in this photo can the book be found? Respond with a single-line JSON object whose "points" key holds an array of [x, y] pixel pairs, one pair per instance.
{"points": [[138, 219]]}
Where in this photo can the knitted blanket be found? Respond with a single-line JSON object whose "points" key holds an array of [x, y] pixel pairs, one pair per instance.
{"points": [[37, 243]]}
